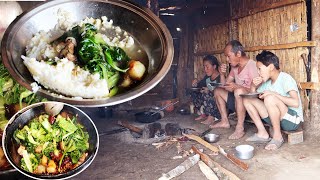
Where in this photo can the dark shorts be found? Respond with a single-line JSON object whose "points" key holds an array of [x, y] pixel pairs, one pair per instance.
{"points": [[231, 106], [290, 122]]}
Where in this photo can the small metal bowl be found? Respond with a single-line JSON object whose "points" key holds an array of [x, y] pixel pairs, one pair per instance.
{"points": [[244, 151], [211, 138]]}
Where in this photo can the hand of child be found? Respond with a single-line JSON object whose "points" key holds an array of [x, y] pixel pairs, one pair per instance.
{"points": [[257, 81], [266, 93]]}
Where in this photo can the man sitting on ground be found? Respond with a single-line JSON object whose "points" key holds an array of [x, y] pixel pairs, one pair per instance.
{"points": [[279, 104], [243, 70]]}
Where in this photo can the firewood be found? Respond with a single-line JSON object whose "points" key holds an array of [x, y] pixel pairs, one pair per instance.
{"points": [[221, 172], [185, 165], [207, 171], [131, 127]]}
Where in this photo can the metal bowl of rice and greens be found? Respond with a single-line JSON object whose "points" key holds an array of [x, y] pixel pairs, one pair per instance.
{"points": [[88, 53]]}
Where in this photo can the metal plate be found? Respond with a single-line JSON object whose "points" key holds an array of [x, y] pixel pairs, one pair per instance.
{"points": [[251, 95], [217, 84], [195, 89]]}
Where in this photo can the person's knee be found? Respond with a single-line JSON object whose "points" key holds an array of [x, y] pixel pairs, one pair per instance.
{"points": [[246, 102], [239, 91], [270, 100], [218, 92]]}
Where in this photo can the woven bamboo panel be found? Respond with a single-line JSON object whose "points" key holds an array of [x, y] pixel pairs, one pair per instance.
{"points": [[211, 38], [290, 62], [277, 26], [241, 8]]}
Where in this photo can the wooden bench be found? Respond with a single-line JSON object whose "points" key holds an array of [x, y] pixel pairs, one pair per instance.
{"points": [[293, 137]]}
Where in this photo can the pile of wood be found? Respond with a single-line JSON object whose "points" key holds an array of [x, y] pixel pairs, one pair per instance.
{"points": [[211, 169]]}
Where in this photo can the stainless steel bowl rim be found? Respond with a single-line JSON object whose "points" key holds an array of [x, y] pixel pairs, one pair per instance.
{"points": [[211, 137], [244, 151], [244, 148]]}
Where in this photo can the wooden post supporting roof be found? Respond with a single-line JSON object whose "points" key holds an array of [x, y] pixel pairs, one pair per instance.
{"points": [[312, 125], [183, 63]]}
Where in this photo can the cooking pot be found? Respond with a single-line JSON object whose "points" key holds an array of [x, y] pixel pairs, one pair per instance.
{"points": [[22, 118], [147, 116], [184, 111], [146, 28]]}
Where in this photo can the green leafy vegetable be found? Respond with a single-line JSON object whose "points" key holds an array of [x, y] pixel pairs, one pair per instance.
{"points": [[64, 138], [66, 125], [12, 93]]}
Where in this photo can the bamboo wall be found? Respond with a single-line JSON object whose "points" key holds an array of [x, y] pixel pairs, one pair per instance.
{"points": [[208, 41], [278, 26]]}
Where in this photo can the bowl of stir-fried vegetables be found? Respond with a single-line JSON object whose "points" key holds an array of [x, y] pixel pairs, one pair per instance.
{"points": [[148, 31], [43, 144]]}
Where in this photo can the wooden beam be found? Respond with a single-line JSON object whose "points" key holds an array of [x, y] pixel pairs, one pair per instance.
{"points": [[271, 6], [209, 52], [282, 46], [271, 47], [310, 85]]}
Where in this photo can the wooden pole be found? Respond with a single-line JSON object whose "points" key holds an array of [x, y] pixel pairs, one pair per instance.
{"points": [[183, 62], [313, 124], [153, 5]]}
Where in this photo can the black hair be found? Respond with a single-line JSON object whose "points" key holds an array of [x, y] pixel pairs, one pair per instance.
{"points": [[267, 58], [236, 46], [213, 60]]}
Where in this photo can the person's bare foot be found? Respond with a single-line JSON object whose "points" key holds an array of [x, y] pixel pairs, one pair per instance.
{"points": [[221, 124], [201, 117], [208, 121], [237, 134]]}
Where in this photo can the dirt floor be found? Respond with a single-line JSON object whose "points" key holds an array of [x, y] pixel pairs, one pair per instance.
{"points": [[122, 156]]}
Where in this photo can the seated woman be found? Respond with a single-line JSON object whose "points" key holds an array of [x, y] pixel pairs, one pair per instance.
{"points": [[205, 96]]}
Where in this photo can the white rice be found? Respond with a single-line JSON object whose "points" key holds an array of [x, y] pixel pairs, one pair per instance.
{"points": [[66, 77]]}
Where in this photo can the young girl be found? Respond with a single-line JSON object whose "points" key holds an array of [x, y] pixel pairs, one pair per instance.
{"points": [[205, 96]]}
